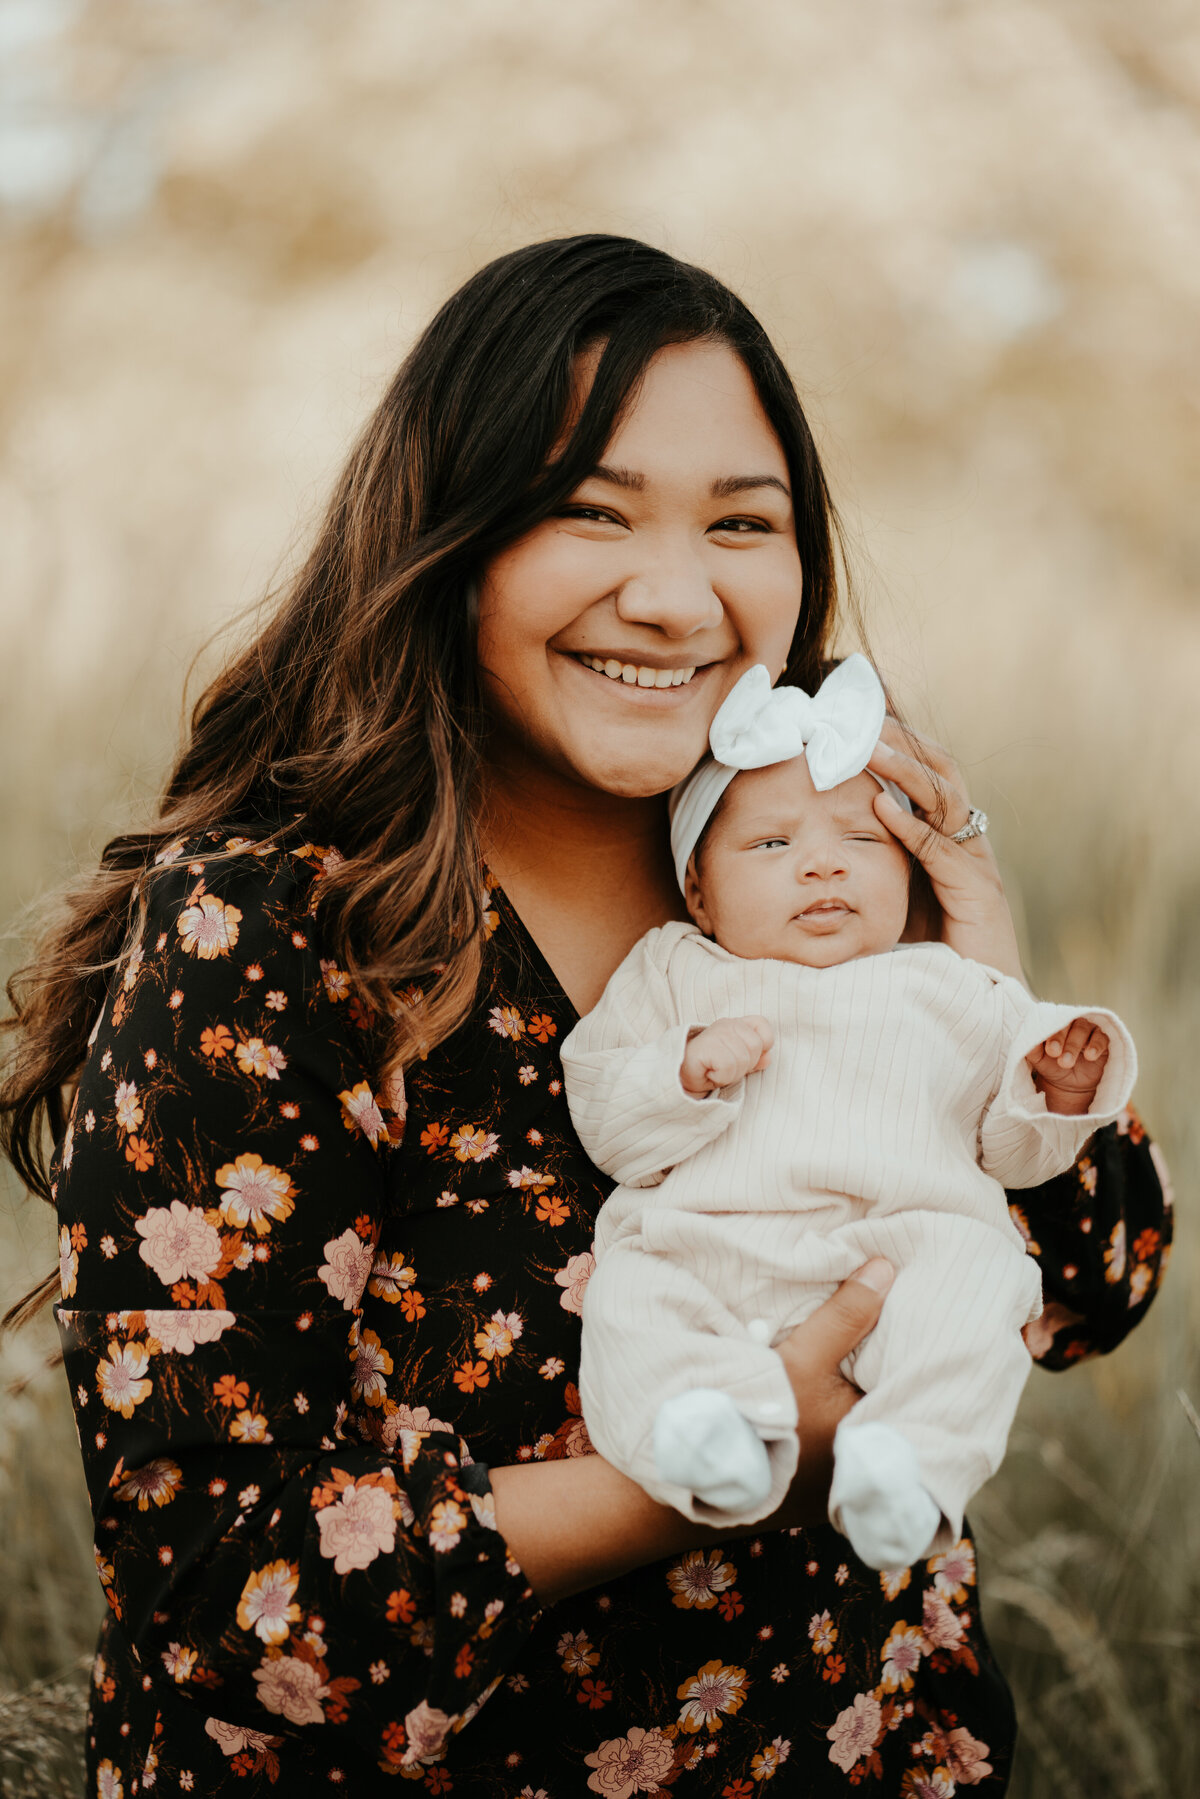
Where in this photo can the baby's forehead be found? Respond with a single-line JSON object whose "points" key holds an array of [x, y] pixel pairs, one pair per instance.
{"points": [[784, 791]]}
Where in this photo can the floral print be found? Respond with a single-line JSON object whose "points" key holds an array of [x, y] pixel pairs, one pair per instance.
{"points": [[303, 1309]]}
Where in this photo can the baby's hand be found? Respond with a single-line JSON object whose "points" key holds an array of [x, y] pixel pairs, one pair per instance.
{"points": [[1067, 1067], [725, 1051]]}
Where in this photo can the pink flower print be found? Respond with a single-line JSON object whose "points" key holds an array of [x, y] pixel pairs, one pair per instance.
{"points": [[954, 1572], [255, 1193], [822, 1633], [360, 1111], [179, 1332], [426, 1729], [347, 1267], [918, 1784], [179, 1243], [967, 1757], [942, 1628], [359, 1526], [208, 928], [499, 1334], [855, 1732], [231, 1739], [108, 1781], [291, 1688], [901, 1657], [638, 1762], [256, 1057], [267, 1604], [447, 1521], [574, 1278]]}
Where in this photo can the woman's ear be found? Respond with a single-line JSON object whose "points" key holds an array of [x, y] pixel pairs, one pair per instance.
{"points": [[694, 899]]}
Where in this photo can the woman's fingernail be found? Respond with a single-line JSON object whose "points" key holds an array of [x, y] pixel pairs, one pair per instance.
{"points": [[876, 1274]]}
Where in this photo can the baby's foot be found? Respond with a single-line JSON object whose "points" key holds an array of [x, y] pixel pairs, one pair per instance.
{"points": [[703, 1443], [877, 1497]]}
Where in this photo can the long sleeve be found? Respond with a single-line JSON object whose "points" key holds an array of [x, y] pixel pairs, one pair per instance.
{"points": [[621, 1067], [1022, 1142], [220, 1192]]}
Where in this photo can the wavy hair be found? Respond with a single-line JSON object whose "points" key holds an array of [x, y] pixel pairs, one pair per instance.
{"points": [[357, 707]]}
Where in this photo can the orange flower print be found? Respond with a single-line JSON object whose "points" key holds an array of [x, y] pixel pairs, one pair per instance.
{"points": [[391, 1277], [834, 1668], [139, 1152], [471, 1375], [496, 1338], [401, 1607], [230, 1391], [256, 1057], [412, 1304], [464, 1661], [434, 1137], [157, 1483], [255, 1193], [266, 1606], [542, 1027], [209, 928], [79, 1236], [714, 1690], [1145, 1244], [215, 1042], [335, 980], [472, 1145], [250, 1427], [593, 1694], [551, 1211], [120, 1378]]}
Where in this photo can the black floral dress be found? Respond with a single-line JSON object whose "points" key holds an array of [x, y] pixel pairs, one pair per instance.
{"points": [[303, 1312]]}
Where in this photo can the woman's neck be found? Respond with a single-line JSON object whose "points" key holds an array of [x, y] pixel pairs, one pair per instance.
{"points": [[588, 872]]}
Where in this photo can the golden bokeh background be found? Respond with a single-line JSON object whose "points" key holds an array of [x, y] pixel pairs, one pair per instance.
{"points": [[973, 228]]}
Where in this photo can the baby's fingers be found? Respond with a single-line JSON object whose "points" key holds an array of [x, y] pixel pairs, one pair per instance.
{"points": [[1066, 1047]]}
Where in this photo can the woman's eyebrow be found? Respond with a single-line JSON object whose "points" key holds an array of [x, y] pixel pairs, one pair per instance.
{"points": [[720, 489], [729, 484]]}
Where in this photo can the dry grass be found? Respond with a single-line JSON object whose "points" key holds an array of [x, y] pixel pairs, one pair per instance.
{"points": [[974, 229]]}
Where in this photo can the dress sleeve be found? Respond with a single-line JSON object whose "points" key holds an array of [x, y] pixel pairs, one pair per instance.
{"points": [[621, 1072], [1102, 1234], [220, 1191]]}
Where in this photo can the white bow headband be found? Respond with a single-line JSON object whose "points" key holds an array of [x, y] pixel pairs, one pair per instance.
{"points": [[835, 729]]}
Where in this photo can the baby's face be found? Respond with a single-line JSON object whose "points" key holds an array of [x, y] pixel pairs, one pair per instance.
{"points": [[797, 875]]}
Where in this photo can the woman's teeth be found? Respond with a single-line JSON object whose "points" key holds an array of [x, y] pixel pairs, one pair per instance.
{"points": [[634, 674]]}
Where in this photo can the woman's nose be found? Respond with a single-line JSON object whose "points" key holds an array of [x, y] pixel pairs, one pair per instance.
{"points": [[676, 597]]}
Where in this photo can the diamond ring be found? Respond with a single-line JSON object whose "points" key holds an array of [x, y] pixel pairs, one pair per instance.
{"points": [[976, 825]]}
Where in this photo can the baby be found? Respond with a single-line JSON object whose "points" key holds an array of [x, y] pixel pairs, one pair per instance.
{"points": [[783, 1090]]}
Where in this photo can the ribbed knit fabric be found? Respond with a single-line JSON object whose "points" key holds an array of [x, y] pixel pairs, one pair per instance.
{"points": [[896, 1108]]}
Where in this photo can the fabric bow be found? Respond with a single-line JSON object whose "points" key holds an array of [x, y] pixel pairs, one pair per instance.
{"points": [[835, 729]]}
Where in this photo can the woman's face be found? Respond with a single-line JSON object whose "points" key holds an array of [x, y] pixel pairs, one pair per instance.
{"points": [[612, 631]]}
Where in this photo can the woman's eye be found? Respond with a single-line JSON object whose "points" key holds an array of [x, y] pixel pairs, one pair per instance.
{"points": [[741, 526], [596, 513]]}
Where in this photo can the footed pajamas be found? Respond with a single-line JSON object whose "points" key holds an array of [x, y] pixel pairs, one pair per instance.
{"points": [[896, 1106]]}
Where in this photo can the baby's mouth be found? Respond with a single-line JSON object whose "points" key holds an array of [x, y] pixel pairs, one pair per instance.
{"points": [[825, 911]]}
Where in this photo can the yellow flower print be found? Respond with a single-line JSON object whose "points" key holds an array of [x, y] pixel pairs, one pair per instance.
{"points": [[157, 1482], [360, 1112], [209, 928], [68, 1264], [698, 1577], [506, 1021], [108, 1781], [266, 1606], [390, 1277], [472, 1145], [371, 1363], [125, 1103], [256, 1193], [119, 1379], [250, 1427], [336, 981], [714, 1689]]}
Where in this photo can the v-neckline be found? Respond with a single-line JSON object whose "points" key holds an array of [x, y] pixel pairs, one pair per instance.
{"points": [[531, 948]]}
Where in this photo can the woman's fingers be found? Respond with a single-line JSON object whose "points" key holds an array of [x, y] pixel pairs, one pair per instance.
{"points": [[930, 792], [846, 1317]]}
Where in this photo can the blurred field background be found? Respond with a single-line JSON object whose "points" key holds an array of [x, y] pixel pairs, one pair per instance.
{"points": [[974, 229]]}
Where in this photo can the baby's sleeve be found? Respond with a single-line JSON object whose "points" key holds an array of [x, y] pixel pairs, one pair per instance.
{"points": [[1021, 1142], [621, 1069]]}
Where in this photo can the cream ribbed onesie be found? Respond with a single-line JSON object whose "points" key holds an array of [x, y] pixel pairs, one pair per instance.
{"points": [[896, 1107]]}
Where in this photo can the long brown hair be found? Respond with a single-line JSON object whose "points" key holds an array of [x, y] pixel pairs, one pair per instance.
{"points": [[357, 708]]}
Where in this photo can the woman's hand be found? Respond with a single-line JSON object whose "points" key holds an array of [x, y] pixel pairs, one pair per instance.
{"points": [[975, 919], [575, 1523], [812, 1355]]}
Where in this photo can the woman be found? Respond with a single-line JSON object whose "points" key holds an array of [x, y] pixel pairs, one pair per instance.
{"points": [[325, 1225]]}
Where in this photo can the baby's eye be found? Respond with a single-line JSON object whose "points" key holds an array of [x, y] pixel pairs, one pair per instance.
{"points": [[770, 843]]}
